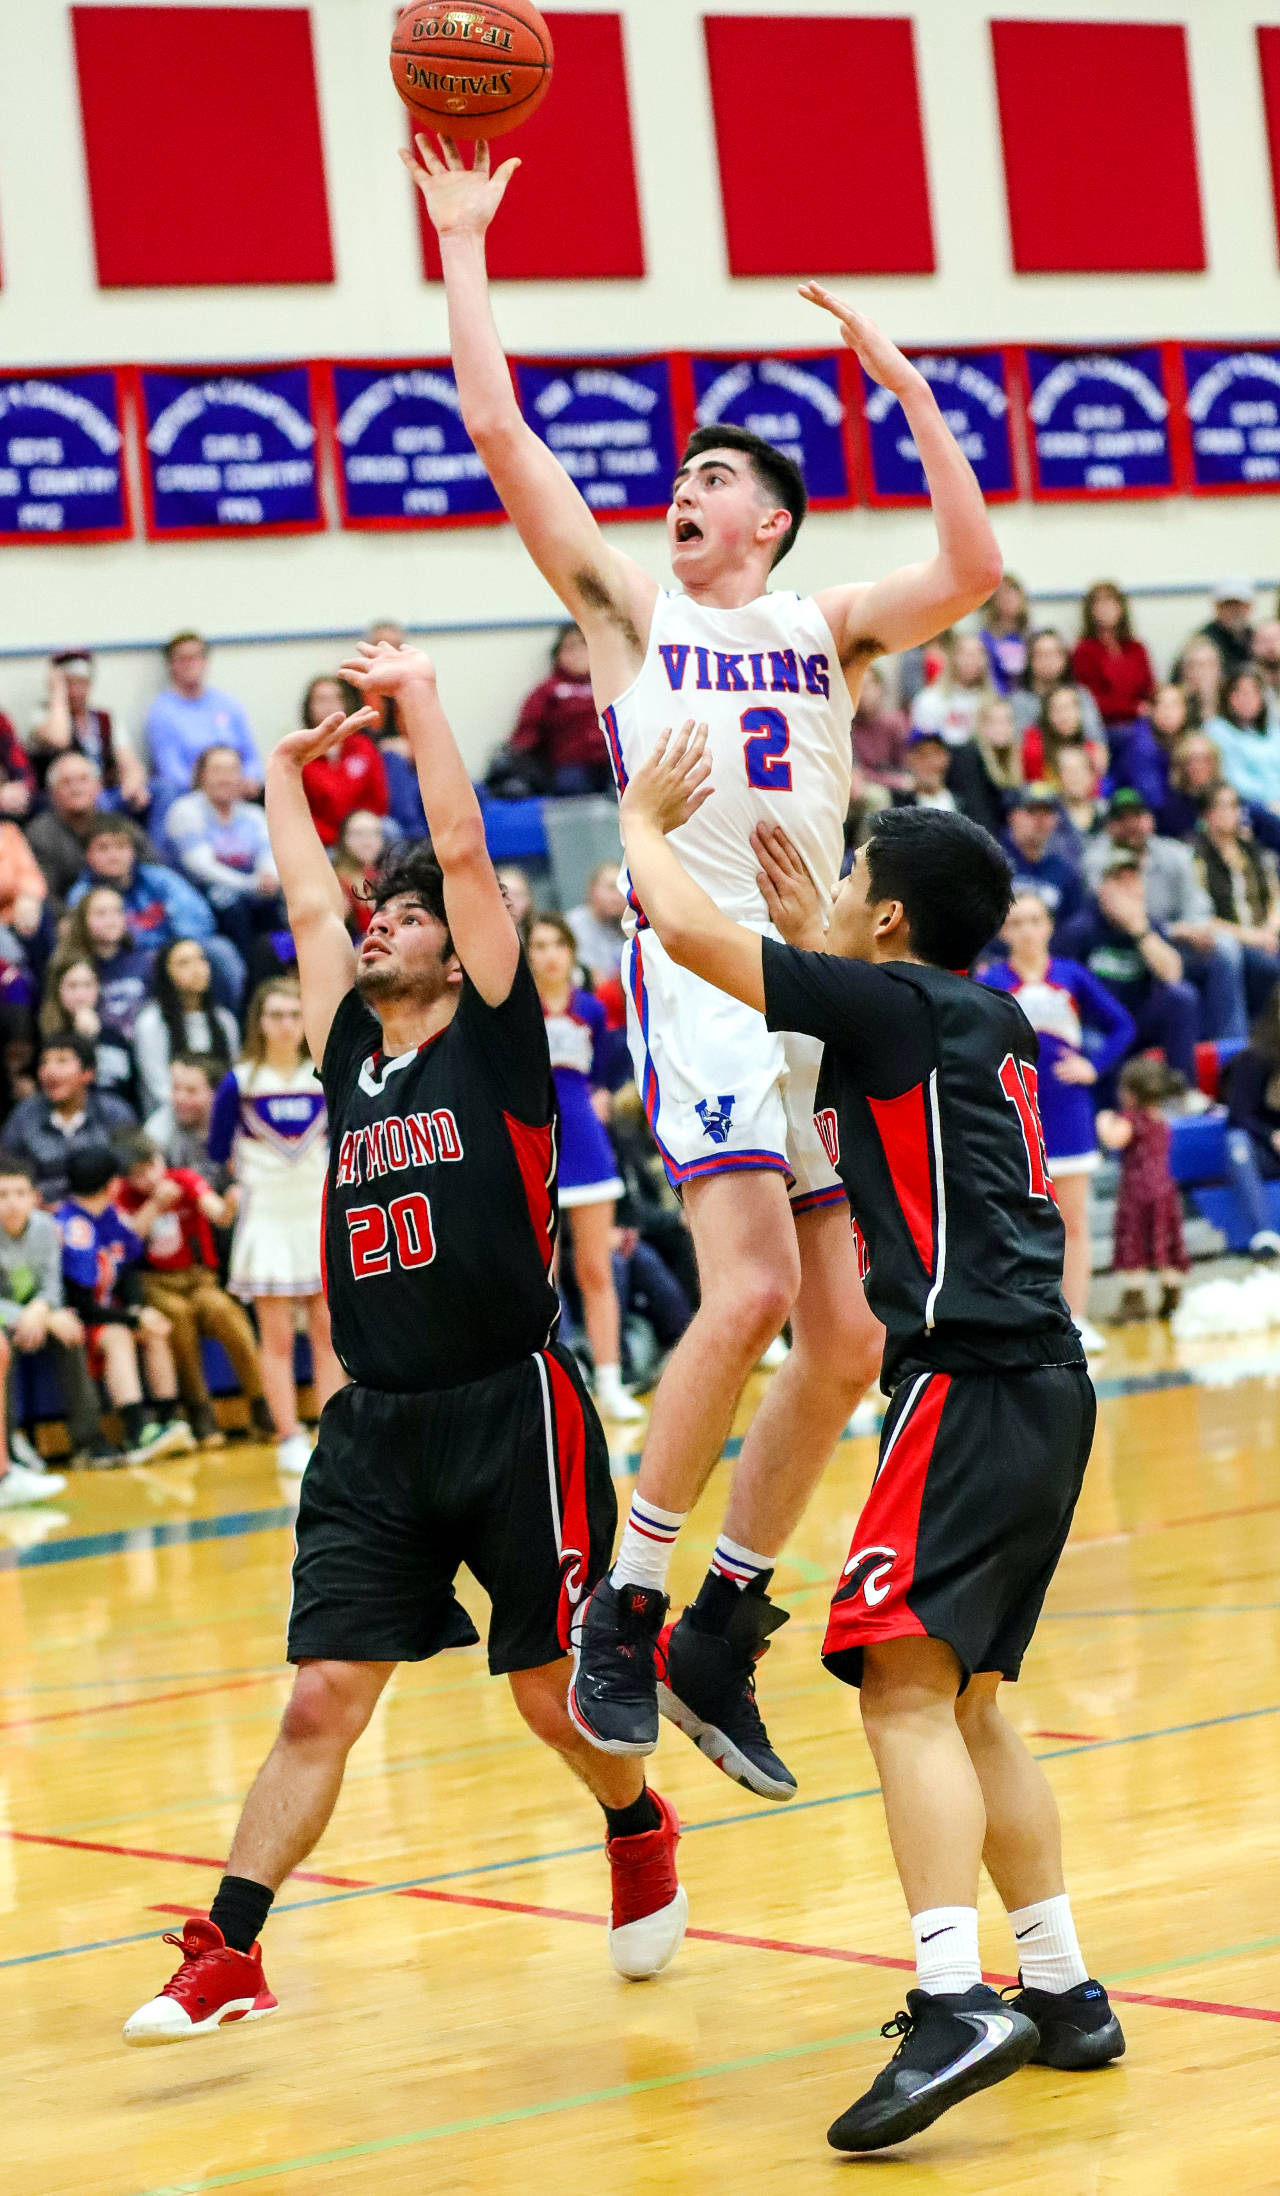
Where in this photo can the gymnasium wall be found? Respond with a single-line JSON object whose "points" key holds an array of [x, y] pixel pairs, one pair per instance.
{"points": [[278, 605]]}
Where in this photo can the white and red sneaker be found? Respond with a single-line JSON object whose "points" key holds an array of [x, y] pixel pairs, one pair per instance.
{"points": [[650, 1905], [214, 1984]]}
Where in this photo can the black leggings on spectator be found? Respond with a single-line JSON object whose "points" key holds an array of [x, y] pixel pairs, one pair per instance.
{"points": [[80, 1394]]}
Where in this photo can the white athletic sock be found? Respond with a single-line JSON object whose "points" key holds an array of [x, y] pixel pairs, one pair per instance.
{"points": [[947, 1949], [644, 1552], [1048, 1949], [608, 1378], [732, 1560]]}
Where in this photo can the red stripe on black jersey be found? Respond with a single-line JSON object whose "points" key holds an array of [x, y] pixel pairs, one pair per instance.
{"points": [[567, 1462], [903, 1126], [535, 1150], [871, 1602]]}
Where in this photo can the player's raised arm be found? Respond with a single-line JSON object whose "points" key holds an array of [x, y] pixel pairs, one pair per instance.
{"points": [[480, 924], [598, 586], [312, 894], [919, 600], [663, 794]]}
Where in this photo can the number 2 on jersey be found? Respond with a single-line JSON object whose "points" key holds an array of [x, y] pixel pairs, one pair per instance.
{"points": [[370, 1236], [768, 738], [1020, 1083]]}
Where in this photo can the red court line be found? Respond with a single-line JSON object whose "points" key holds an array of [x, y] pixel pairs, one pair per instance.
{"points": [[117, 1707], [1080, 1738], [1171, 1524], [183, 1860]]}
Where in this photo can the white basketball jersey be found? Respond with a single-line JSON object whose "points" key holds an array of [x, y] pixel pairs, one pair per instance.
{"points": [[766, 680]]}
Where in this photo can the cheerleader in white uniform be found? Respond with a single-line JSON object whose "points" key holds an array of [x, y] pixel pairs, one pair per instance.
{"points": [[269, 1119]]}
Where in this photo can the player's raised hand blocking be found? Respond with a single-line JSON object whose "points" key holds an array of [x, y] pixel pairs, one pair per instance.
{"points": [[671, 785], [299, 748], [883, 360], [382, 668], [460, 201], [790, 893]]}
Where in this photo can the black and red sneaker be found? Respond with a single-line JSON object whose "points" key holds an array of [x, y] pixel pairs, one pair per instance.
{"points": [[215, 1984], [709, 1685], [650, 1904], [614, 1695]]}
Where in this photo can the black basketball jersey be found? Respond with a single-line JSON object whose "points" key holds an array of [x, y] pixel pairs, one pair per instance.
{"points": [[440, 1208], [927, 1106]]}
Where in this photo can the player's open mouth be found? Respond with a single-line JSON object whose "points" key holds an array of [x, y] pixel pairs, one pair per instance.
{"points": [[687, 530]]}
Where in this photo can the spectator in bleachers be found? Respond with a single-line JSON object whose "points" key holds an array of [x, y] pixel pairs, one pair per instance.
{"points": [[350, 774], [1240, 879], [181, 1015], [649, 1204], [1143, 759], [950, 705], [17, 779], [879, 734], [66, 1115], [23, 889], [1109, 660], [1248, 740], [102, 1281], [1080, 804], [928, 769], [1195, 769], [97, 931], [1048, 668], [1231, 626], [1266, 661], [1253, 1136], [190, 716], [1029, 829], [1119, 944], [518, 893], [34, 1315], [361, 845], [1006, 622], [988, 768], [1199, 674], [73, 1003], [68, 723], [175, 1212], [181, 1126], [557, 740], [1179, 906], [57, 833], [221, 840], [159, 905], [597, 925], [1060, 725]]}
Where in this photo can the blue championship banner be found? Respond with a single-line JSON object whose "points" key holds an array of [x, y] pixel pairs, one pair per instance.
{"points": [[62, 458], [795, 402], [404, 456], [972, 389], [1233, 415], [611, 423], [229, 450], [1099, 422]]}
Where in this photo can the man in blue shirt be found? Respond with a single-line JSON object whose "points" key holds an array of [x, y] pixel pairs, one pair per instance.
{"points": [[1031, 822], [190, 716]]}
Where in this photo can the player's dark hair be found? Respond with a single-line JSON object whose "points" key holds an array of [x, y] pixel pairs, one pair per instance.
{"points": [[409, 866], [955, 883], [90, 1167], [775, 472]]}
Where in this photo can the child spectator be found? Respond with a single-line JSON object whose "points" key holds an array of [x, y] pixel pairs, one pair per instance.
{"points": [[350, 774], [190, 716], [361, 844], [1108, 660], [66, 1115], [950, 705], [175, 1213], [181, 1126], [879, 734], [68, 724], [159, 905], [589, 1183], [1006, 621], [596, 926], [180, 1016], [1148, 1237], [269, 1118], [558, 741], [1247, 740], [73, 1005], [1048, 668], [1060, 725], [1200, 676], [34, 1317], [1253, 1137], [102, 1283], [221, 840]]}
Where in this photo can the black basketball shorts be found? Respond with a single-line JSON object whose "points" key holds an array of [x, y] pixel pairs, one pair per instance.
{"points": [[509, 1475], [972, 1502]]}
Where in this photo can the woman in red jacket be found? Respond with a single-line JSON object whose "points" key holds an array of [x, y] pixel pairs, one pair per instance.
{"points": [[348, 777], [1108, 660]]}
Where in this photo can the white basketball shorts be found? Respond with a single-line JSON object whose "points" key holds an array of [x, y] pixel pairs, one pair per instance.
{"points": [[723, 1093]]}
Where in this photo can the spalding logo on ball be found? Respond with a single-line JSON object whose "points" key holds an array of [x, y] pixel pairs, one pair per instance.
{"points": [[473, 71]]}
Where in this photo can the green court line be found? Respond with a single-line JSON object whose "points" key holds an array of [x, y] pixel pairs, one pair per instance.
{"points": [[517, 2113], [1198, 1959]]}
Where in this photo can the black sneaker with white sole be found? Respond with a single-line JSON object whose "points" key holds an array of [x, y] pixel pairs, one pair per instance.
{"points": [[952, 2046], [1078, 2029], [614, 1695], [709, 1691]]}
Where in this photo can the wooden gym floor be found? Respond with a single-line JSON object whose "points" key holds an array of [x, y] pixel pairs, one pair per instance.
{"points": [[449, 2020]]}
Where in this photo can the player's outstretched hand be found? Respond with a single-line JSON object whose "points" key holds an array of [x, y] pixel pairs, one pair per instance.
{"points": [[883, 360], [672, 784], [461, 201], [382, 668], [300, 748], [790, 893]]}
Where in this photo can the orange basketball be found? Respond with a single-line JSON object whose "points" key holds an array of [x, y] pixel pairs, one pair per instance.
{"points": [[475, 70]]}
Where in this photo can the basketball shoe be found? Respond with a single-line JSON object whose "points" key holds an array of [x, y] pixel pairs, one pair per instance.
{"points": [[953, 2044], [650, 1904], [1078, 2029], [214, 1984], [710, 1687], [613, 1699]]}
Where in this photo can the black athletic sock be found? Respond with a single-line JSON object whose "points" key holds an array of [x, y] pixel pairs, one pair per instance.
{"points": [[134, 1418], [718, 1599], [239, 1910], [164, 1409], [632, 1822]]}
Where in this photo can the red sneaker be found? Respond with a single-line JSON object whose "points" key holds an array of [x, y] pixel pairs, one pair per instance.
{"points": [[650, 1905], [214, 1984]]}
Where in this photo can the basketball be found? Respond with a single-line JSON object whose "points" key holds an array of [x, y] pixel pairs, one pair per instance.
{"points": [[474, 71]]}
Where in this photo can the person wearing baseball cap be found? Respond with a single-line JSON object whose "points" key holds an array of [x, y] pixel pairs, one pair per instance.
{"points": [[1032, 816], [1231, 626]]}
